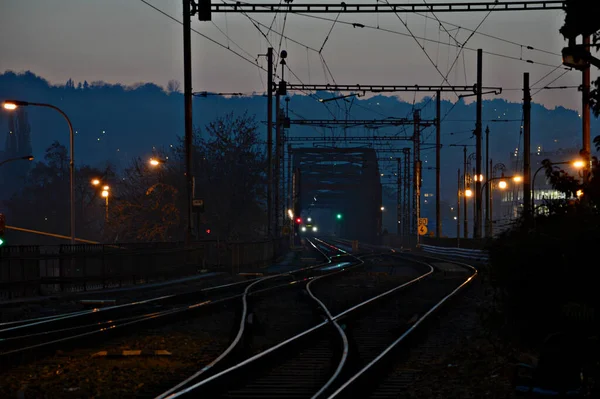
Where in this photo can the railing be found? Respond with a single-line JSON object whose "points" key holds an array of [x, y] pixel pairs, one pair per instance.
{"points": [[41, 270], [464, 253]]}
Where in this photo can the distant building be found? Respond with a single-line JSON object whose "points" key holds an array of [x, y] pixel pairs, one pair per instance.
{"points": [[511, 200]]}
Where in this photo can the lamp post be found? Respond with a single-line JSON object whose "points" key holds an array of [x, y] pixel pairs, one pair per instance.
{"points": [[490, 217], [502, 184], [471, 179], [25, 158], [105, 195], [12, 105], [466, 192], [156, 162], [578, 164], [466, 182]]}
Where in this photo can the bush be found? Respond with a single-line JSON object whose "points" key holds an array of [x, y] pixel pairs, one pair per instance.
{"points": [[544, 274]]}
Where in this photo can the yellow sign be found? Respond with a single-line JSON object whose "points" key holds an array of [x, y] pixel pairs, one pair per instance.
{"points": [[423, 221], [422, 230]]}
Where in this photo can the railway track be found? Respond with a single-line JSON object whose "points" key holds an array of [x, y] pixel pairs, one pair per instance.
{"points": [[240, 346], [329, 357], [24, 339]]}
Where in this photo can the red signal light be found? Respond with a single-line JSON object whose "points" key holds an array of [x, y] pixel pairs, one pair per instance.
{"points": [[298, 220], [207, 231]]}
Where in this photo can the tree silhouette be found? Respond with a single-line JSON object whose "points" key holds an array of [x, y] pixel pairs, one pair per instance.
{"points": [[43, 202], [173, 86], [230, 176], [581, 20], [146, 205]]}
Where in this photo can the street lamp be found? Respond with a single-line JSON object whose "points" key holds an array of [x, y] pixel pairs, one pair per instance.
{"points": [[12, 105], [25, 158], [468, 193], [382, 208], [105, 195], [577, 164], [502, 184], [95, 182], [156, 161]]}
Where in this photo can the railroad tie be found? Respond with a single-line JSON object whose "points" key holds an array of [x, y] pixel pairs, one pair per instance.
{"points": [[125, 353]]}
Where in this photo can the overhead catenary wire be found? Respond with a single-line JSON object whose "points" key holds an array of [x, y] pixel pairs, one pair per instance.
{"points": [[552, 81], [249, 60], [387, 30]]}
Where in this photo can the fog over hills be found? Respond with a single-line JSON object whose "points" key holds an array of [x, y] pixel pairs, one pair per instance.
{"points": [[114, 123]]}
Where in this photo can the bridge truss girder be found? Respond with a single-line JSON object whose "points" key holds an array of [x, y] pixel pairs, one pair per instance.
{"points": [[345, 180]]}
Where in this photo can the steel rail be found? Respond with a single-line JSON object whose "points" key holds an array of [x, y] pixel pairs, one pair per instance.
{"points": [[239, 334], [388, 349], [141, 318], [132, 319], [63, 316], [293, 339], [229, 349], [339, 329]]}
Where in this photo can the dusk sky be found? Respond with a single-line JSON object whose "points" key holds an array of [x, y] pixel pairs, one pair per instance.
{"points": [[127, 41]]}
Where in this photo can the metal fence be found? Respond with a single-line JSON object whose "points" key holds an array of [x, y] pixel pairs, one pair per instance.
{"points": [[463, 253], [39, 270]]}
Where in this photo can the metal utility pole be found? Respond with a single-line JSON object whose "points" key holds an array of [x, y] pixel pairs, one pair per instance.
{"points": [[465, 182], [417, 174], [438, 150], [585, 113], [478, 213], [269, 141], [187, 94], [406, 194], [290, 188], [490, 232], [487, 178], [526, 147], [458, 210], [399, 198], [277, 164]]}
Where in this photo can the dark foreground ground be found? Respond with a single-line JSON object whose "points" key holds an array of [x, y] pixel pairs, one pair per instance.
{"points": [[459, 358]]}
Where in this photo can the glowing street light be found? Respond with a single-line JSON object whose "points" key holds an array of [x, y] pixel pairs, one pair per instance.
{"points": [[577, 164], [105, 188], [468, 192], [105, 195], [382, 208], [156, 161], [95, 182], [12, 105], [25, 158], [502, 184]]}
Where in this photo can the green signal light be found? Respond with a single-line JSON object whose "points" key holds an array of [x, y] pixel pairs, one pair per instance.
{"points": [[1, 242], [339, 216]]}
